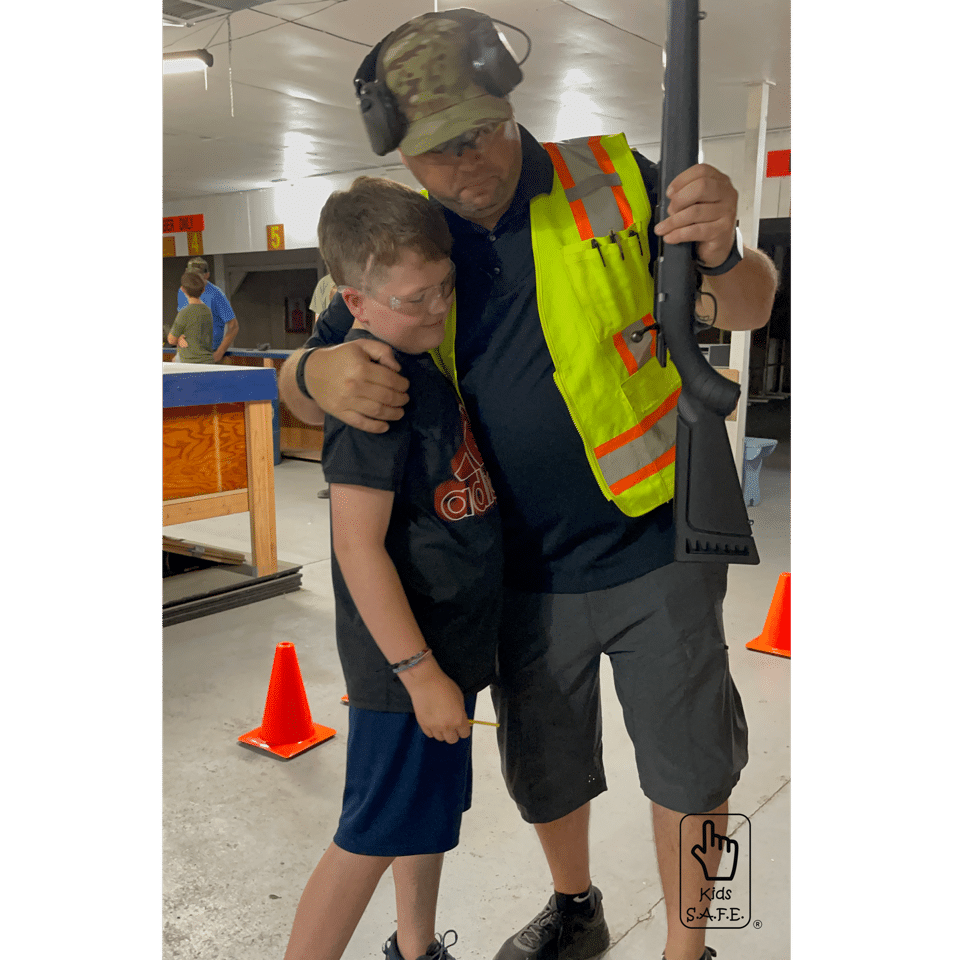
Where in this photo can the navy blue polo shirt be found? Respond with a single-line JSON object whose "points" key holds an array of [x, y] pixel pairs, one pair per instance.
{"points": [[561, 535]]}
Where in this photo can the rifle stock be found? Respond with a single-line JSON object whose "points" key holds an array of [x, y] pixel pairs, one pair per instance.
{"points": [[710, 516]]}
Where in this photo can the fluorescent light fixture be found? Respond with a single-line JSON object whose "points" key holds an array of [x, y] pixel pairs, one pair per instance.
{"points": [[186, 61]]}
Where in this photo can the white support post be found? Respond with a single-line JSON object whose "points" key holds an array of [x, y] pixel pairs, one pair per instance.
{"points": [[755, 146]]}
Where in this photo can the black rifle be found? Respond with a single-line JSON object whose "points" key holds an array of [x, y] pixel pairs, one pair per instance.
{"points": [[709, 512]]}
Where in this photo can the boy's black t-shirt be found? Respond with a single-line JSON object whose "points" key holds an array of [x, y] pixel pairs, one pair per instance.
{"points": [[444, 536]]}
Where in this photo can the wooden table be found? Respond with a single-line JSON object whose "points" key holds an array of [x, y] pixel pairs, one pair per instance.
{"points": [[297, 439], [218, 450]]}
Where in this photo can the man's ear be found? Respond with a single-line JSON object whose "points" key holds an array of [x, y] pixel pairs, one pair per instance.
{"points": [[403, 159]]}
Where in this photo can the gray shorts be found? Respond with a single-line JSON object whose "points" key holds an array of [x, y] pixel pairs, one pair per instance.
{"points": [[664, 635]]}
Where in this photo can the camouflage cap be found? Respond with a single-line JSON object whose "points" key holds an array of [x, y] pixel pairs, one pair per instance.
{"points": [[425, 66]]}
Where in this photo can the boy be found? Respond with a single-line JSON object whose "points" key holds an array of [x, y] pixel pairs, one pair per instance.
{"points": [[192, 331], [417, 571]]}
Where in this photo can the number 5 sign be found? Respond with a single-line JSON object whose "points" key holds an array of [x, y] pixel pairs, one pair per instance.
{"points": [[275, 236]]}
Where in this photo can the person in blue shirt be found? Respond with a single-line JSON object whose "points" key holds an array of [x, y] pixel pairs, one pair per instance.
{"points": [[225, 324]]}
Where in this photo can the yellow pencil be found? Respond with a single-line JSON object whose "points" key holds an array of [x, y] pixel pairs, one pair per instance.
{"points": [[486, 723]]}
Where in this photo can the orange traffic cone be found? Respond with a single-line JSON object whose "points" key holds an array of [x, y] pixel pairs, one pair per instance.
{"points": [[776, 631], [287, 728]]}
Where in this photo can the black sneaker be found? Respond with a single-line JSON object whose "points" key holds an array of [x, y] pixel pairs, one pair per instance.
{"points": [[708, 954], [436, 951], [551, 935]]}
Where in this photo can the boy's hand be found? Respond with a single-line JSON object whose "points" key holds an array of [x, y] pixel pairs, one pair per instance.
{"points": [[437, 702], [182, 343]]}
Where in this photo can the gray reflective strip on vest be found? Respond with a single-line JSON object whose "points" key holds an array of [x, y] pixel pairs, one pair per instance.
{"points": [[641, 350], [591, 184], [640, 453], [598, 199]]}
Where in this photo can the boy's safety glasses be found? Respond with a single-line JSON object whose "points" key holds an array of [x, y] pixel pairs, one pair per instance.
{"points": [[427, 302]]}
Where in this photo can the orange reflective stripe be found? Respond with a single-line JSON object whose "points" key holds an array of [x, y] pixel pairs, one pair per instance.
{"points": [[617, 442], [648, 471], [577, 208], [560, 165], [629, 361], [640, 429], [661, 411], [606, 166]]}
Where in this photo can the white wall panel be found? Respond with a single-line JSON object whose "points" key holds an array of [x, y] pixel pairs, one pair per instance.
{"points": [[237, 222]]}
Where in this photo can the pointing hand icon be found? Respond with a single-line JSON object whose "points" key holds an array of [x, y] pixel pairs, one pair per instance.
{"points": [[716, 841]]}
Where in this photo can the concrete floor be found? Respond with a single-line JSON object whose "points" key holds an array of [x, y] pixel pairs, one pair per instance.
{"points": [[243, 830]]}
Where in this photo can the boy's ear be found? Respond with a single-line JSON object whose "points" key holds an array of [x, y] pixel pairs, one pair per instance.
{"points": [[354, 301]]}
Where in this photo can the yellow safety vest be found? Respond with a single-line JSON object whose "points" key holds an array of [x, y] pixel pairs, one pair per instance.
{"points": [[595, 295]]}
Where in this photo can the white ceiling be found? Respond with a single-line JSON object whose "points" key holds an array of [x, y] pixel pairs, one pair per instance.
{"points": [[596, 66]]}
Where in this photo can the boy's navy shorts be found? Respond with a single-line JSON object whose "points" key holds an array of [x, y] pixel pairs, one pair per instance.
{"points": [[405, 793]]}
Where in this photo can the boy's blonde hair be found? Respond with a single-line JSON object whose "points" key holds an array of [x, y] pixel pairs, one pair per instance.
{"points": [[192, 283], [365, 229]]}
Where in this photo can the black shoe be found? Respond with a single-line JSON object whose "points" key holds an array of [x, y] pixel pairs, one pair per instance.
{"points": [[436, 951], [708, 954], [552, 935]]}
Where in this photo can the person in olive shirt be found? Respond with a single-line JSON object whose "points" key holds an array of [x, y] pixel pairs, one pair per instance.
{"points": [[192, 331], [225, 324]]}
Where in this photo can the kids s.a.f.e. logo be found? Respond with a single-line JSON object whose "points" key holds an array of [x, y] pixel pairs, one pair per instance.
{"points": [[470, 492], [719, 862]]}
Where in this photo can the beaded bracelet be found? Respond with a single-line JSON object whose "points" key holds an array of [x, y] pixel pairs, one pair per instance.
{"points": [[410, 661]]}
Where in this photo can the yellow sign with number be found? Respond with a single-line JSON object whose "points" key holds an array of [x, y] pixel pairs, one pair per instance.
{"points": [[275, 237]]}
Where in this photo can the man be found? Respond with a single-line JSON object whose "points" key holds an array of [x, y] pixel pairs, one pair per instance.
{"points": [[225, 324], [589, 560]]}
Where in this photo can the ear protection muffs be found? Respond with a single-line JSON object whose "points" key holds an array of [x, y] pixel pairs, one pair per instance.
{"points": [[381, 117], [492, 65]]}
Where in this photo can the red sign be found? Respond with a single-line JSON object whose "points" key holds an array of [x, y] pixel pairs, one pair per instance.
{"points": [[778, 163], [192, 223], [295, 319]]}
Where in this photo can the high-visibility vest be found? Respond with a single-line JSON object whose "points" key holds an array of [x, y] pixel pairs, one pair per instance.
{"points": [[595, 299]]}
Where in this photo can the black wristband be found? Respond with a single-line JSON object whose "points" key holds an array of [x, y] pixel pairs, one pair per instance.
{"points": [[301, 381], [733, 258]]}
